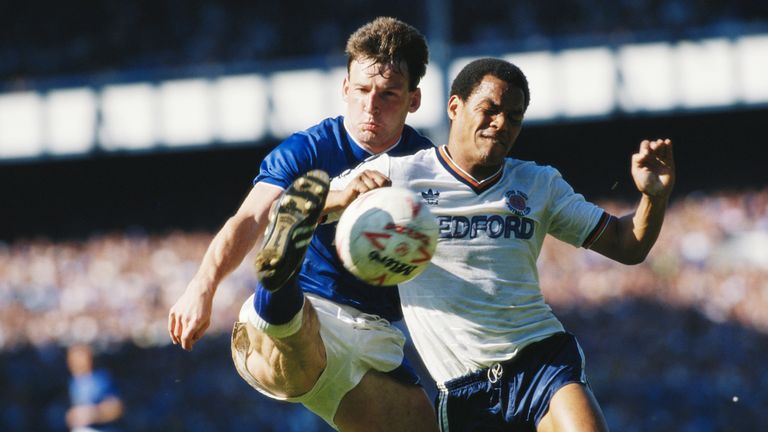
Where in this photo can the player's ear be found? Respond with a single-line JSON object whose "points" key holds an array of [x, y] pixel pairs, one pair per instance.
{"points": [[345, 89], [454, 103], [415, 100]]}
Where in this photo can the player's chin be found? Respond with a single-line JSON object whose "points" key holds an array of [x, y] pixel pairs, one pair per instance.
{"points": [[366, 137], [376, 142], [494, 152]]}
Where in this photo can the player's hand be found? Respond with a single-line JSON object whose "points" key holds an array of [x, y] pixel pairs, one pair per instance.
{"points": [[190, 317], [366, 181], [81, 416], [653, 168]]}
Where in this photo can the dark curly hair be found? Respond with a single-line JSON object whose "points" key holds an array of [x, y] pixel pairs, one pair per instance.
{"points": [[472, 74]]}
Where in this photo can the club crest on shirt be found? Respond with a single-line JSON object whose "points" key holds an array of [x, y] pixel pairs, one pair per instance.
{"points": [[431, 197], [517, 202]]}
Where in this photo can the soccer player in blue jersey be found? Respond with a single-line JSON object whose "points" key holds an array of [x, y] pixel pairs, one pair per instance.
{"points": [[501, 358], [319, 336]]}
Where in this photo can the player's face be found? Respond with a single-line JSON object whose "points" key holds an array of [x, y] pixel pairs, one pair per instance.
{"points": [[378, 101], [80, 360], [486, 125]]}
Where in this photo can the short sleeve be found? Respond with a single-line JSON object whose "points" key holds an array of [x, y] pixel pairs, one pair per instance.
{"points": [[574, 220], [289, 160]]}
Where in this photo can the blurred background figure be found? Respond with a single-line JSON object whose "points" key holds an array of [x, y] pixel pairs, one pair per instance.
{"points": [[96, 405]]}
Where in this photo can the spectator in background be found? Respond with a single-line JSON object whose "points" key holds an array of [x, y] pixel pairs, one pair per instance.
{"points": [[96, 406]]}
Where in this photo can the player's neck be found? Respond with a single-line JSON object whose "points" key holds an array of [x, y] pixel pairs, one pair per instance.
{"points": [[474, 169]]}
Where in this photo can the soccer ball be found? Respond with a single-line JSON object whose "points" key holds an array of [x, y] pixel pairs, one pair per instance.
{"points": [[386, 236]]}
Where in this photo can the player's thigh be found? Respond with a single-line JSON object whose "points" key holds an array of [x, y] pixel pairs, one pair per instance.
{"points": [[289, 366], [381, 403], [573, 408]]}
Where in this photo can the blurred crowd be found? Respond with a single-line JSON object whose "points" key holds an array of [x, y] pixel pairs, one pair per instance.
{"points": [[104, 290], [712, 256], [163, 389], [91, 36], [671, 344], [535, 22]]}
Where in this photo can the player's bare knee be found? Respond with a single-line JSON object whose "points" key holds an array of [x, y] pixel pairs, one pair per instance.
{"points": [[290, 366]]}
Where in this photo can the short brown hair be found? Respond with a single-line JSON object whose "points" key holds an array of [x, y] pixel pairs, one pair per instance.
{"points": [[390, 41]]}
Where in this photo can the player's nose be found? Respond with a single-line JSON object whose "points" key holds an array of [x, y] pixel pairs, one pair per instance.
{"points": [[371, 105]]}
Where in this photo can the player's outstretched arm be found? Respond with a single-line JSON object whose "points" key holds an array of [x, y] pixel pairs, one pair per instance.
{"points": [[629, 239], [189, 318]]}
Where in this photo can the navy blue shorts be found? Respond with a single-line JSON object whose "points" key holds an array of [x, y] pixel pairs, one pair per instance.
{"points": [[513, 395]]}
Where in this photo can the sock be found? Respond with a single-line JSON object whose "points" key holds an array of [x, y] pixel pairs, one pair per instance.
{"points": [[278, 307]]}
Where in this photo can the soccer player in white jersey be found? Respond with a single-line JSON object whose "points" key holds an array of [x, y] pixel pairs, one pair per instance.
{"points": [[501, 359]]}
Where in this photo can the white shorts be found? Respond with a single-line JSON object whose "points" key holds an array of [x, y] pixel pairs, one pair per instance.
{"points": [[354, 343]]}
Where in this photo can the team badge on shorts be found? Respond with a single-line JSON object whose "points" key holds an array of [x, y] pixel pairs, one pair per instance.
{"points": [[517, 202]]}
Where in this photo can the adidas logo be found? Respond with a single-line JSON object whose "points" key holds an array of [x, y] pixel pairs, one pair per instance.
{"points": [[431, 197]]}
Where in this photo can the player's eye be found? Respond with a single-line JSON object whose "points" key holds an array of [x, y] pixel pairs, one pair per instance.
{"points": [[388, 94]]}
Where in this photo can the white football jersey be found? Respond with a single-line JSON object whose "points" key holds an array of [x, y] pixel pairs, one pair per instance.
{"points": [[479, 301]]}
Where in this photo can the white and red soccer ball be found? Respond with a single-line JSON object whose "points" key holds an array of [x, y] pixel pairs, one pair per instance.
{"points": [[386, 236]]}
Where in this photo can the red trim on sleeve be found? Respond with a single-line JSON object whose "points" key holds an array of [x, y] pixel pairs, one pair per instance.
{"points": [[595, 234]]}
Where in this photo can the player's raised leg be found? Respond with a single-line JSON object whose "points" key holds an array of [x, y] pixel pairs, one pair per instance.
{"points": [[283, 367], [282, 326], [332, 364]]}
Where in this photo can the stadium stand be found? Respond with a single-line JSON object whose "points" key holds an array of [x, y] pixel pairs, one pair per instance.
{"points": [[95, 250], [88, 36]]}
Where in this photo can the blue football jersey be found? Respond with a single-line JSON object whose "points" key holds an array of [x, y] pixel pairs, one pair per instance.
{"points": [[328, 147]]}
